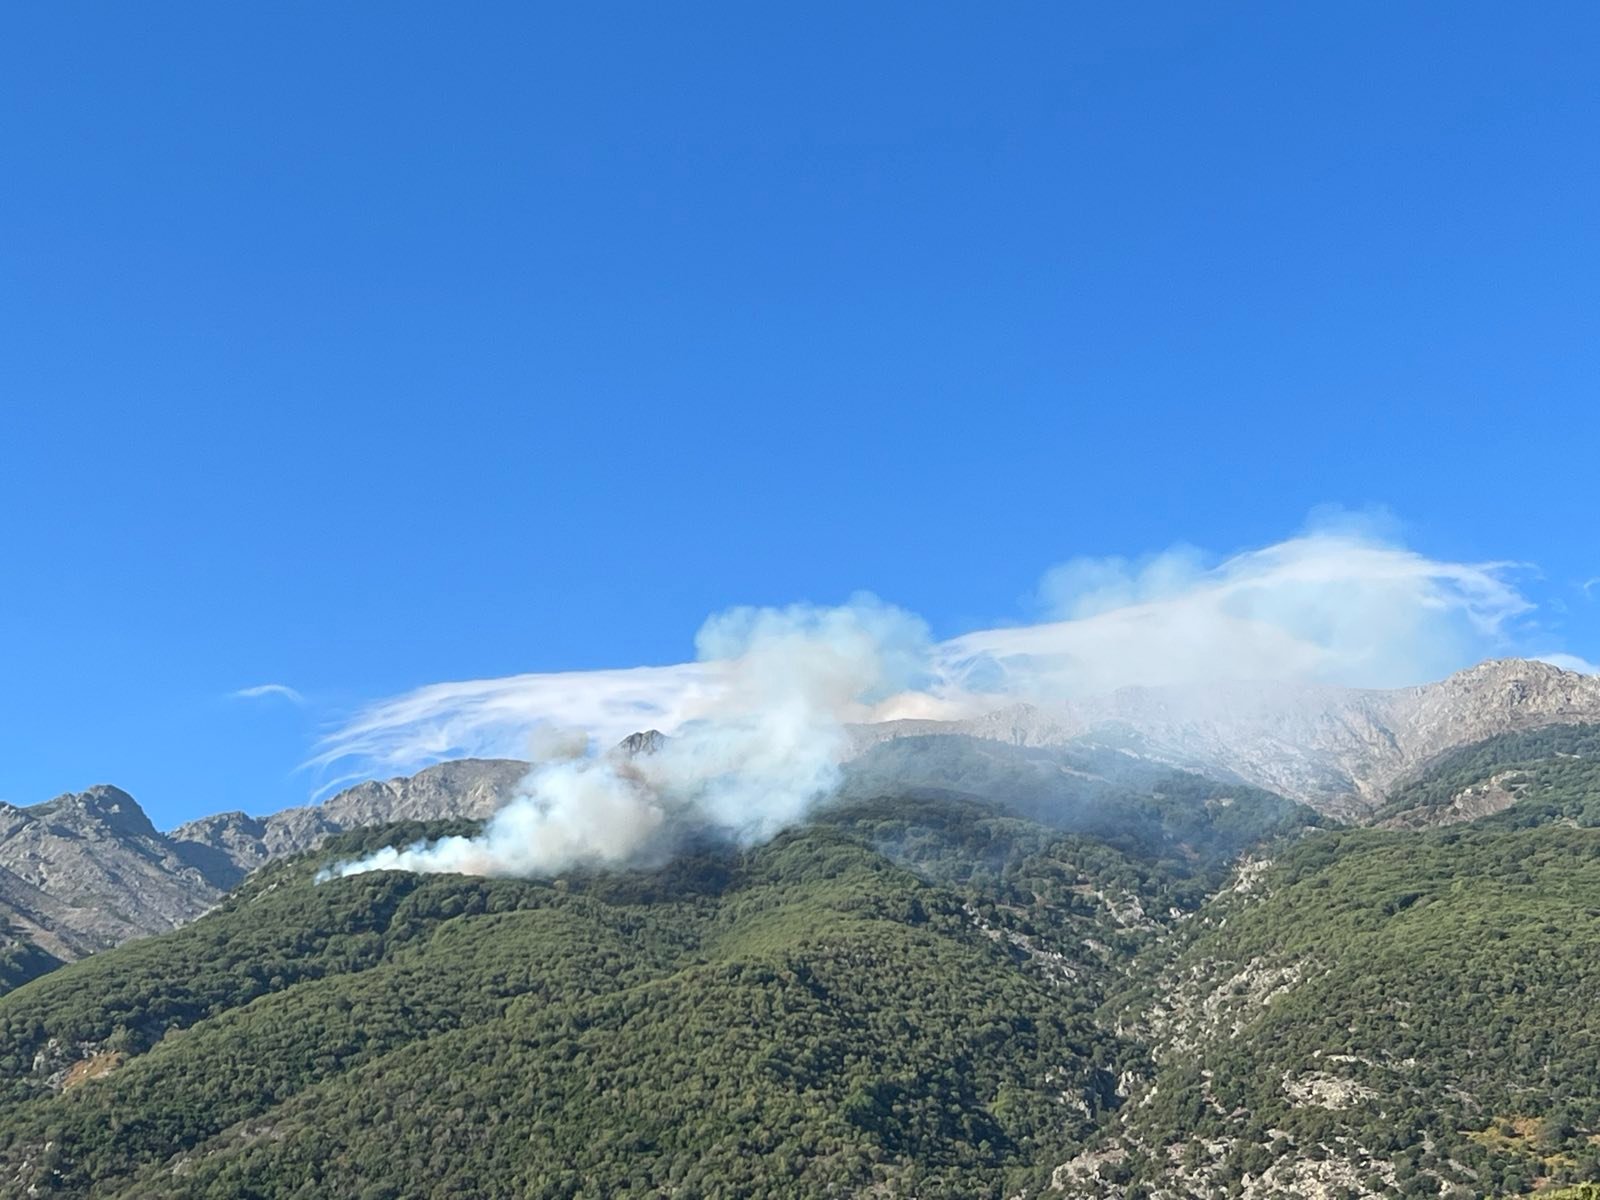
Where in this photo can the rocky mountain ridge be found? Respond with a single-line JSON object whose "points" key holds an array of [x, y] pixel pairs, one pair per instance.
{"points": [[237, 843], [88, 870], [1337, 749]]}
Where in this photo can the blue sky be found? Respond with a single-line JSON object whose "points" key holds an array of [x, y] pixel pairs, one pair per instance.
{"points": [[357, 348]]}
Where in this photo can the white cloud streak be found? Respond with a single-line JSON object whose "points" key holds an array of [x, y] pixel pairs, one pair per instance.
{"points": [[281, 691], [1330, 608]]}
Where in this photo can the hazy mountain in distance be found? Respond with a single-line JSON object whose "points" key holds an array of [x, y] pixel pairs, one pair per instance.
{"points": [[1339, 750]]}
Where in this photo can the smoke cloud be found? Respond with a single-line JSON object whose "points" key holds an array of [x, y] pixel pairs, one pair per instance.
{"points": [[1325, 607], [762, 733], [757, 723]]}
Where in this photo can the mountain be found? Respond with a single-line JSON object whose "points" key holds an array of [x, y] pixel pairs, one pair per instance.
{"points": [[87, 871], [81, 873], [918, 994], [235, 844], [1340, 750], [854, 1008], [1393, 1013]]}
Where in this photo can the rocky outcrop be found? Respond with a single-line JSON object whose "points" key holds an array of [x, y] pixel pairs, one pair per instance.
{"points": [[646, 741], [1483, 799]]}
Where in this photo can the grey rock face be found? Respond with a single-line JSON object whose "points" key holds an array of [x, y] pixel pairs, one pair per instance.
{"points": [[646, 741], [88, 870]]}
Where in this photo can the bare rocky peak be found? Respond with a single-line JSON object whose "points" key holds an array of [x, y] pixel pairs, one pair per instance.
{"points": [[101, 811], [646, 741], [468, 787], [1498, 696], [88, 870]]}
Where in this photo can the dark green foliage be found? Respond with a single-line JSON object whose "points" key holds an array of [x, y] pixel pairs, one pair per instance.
{"points": [[801, 1017], [1554, 773], [21, 960], [1449, 975]]}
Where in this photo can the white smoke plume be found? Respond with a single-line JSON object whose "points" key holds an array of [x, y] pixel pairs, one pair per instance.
{"points": [[757, 724], [762, 735], [1332, 607]]}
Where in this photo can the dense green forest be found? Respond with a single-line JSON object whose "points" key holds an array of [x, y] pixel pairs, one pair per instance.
{"points": [[1047, 980], [804, 1017], [21, 960]]}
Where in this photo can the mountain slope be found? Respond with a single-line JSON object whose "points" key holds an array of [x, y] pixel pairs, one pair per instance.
{"points": [[1513, 779], [87, 871], [1143, 808], [1390, 1013], [922, 993], [799, 1019]]}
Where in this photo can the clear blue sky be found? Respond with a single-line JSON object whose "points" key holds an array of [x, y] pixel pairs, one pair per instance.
{"points": [[358, 346]]}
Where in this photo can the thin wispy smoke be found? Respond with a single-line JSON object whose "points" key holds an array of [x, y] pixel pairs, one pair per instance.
{"points": [[758, 722]]}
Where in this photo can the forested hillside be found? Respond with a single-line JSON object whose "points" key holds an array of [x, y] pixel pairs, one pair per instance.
{"points": [[21, 960], [1399, 1013], [1080, 988], [1514, 780], [804, 1017]]}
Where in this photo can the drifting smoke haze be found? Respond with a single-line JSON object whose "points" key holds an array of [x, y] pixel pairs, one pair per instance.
{"points": [[758, 724]]}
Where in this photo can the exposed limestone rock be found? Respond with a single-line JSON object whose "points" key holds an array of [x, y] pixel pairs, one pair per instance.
{"points": [[1324, 1090]]}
